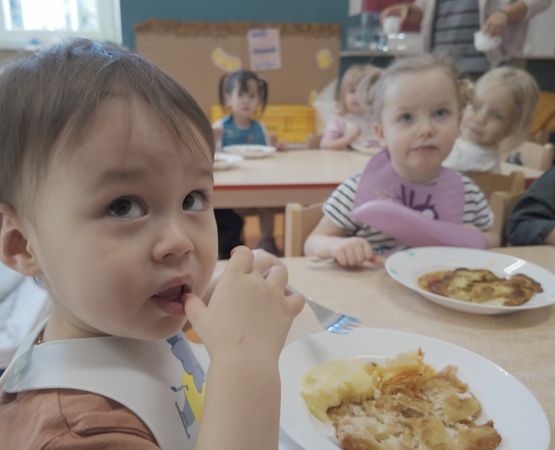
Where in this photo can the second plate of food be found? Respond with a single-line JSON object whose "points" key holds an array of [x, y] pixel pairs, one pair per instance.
{"points": [[490, 274], [250, 151], [223, 161]]}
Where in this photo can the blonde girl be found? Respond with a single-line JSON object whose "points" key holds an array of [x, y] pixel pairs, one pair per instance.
{"points": [[498, 118], [417, 105], [352, 121]]}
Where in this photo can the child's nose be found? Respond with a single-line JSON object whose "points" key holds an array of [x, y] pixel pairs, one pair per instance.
{"points": [[426, 128], [481, 117], [174, 242]]}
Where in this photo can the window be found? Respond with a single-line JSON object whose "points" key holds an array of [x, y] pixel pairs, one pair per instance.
{"points": [[31, 23]]}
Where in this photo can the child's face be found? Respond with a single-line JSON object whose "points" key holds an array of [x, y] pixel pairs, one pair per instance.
{"points": [[123, 227], [351, 99], [487, 121], [243, 105], [419, 123]]}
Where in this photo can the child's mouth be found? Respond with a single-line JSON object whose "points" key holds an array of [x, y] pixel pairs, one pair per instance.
{"points": [[425, 148], [172, 300]]}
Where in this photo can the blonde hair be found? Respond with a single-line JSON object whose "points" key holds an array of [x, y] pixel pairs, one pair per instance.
{"points": [[416, 64], [360, 76], [525, 93]]}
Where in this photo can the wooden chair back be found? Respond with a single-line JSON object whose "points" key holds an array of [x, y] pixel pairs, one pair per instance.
{"points": [[299, 222], [535, 155], [502, 203], [543, 121], [489, 182]]}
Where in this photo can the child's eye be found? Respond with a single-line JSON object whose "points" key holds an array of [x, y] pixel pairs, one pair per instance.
{"points": [[406, 117], [195, 201], [441, 113], [125, 208]]}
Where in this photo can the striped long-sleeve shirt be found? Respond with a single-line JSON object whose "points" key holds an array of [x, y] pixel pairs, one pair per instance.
{"points": [[340, 203]]}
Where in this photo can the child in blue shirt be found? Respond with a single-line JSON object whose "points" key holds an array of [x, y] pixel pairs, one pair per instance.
{"points": [[245, 95]]}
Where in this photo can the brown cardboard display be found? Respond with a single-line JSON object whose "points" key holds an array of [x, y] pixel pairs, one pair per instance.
{"points": [[184, 50]]}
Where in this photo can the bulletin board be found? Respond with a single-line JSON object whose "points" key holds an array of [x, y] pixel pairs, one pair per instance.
{"points": [[197, 54]]}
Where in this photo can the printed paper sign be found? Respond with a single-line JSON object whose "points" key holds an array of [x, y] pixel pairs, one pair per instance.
{"points": [[264, 49]]}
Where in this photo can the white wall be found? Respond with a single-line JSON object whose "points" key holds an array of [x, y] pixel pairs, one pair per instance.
{"points": [[540, 40]]}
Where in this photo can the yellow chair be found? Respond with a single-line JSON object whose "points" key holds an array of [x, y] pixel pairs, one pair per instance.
{"points": [[535, 155], [502, 203], [299, 222], [489, 182]]}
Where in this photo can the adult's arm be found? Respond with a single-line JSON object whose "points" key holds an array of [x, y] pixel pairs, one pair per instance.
{"points": [[410, 13], [497, 21]]}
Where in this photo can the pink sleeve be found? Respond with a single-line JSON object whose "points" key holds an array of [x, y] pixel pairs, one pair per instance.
{"points": [[335, 128]]}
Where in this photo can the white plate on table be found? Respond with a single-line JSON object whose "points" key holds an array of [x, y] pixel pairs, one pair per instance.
{"points": [[250, 151], [406, 266], [518, 416], [224, 161], [366, 148]]}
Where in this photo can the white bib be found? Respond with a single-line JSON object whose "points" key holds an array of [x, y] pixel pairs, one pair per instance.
{"points": [[138, 374]]}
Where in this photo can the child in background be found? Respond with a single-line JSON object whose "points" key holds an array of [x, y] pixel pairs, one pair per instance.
{"points": [[107, 205], [243, 93], [417, 106], [353, 122], [532, 221], [498, 118]]}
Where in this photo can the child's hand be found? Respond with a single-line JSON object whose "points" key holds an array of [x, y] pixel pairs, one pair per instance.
{"points": [[249, 315], [352, 132], [264, 261], [352, 251]]}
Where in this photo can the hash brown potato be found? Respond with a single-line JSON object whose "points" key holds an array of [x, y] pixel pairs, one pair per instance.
{"points": [[480, 286], [404, 404]]}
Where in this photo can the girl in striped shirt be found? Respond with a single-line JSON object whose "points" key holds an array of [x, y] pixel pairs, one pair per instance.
{"points": [[417, 105]]}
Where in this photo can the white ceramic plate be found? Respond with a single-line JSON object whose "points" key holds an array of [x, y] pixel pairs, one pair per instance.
{"points": [[365, 148], [406, 266], [250, 151], [224, 161], [518, 416]]}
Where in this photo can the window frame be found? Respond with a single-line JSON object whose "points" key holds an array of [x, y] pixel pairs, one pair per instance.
{"points": [[109, 20]]}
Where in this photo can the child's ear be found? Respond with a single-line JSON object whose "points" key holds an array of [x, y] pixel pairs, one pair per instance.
{"points": [[15, 250], [377, 129]]}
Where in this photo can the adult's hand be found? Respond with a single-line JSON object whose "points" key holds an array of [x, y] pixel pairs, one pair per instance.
{"points": [[496, 24]]}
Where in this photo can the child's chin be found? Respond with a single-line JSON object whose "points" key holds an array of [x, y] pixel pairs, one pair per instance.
{"points": [[165, 331]]}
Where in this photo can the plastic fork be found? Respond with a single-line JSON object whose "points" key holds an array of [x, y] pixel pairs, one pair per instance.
{"points": [[331, 320]]}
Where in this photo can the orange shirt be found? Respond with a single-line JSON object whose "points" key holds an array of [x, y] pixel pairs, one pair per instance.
{"points": [[69, 419]]}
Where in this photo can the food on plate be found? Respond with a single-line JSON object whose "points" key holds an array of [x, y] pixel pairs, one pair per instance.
{"points": [[480, 286], [223, 162], [403, 404], [250, 150]]}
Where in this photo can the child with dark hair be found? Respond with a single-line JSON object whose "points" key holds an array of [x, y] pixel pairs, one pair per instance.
{"points": [[106, 179], [244, 95]]}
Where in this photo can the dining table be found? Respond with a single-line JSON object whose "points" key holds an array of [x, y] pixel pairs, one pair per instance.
{"points": [[304, 176], [522, 343]]}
